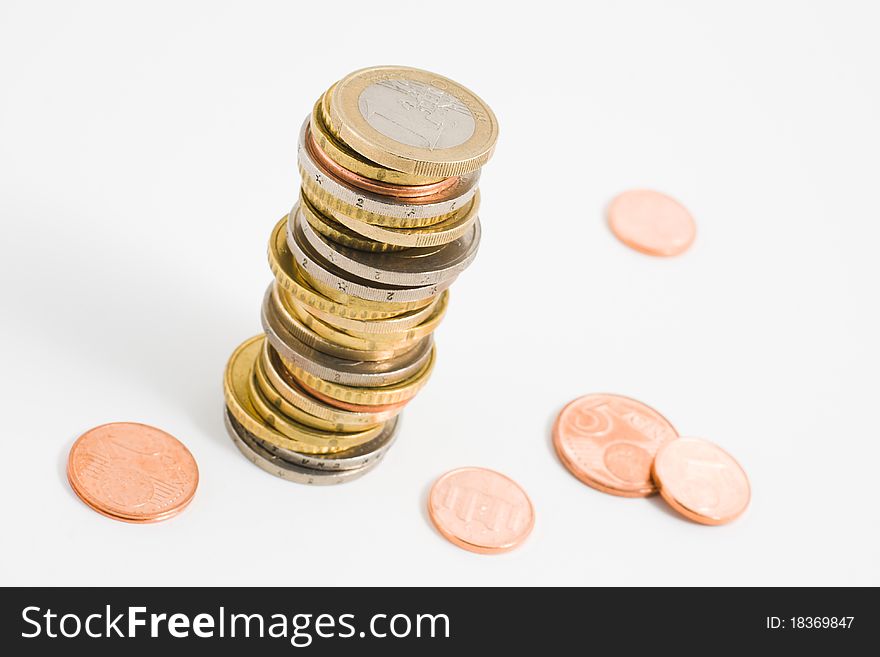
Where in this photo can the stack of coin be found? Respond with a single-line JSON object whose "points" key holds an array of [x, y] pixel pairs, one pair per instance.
{"points": [[385, 221]]}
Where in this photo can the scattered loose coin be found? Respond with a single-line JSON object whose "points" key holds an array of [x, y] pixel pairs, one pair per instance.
{"points": [[609, 441], [701, 481], [132, 472], [651, 222], [481, 510]]}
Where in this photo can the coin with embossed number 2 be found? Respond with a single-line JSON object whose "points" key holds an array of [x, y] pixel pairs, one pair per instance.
{"points": [[609, 442], [481, 510]]}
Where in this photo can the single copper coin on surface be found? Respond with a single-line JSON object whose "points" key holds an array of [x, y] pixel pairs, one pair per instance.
{"points": [[481, 510], [132, 472], [609, 442], [651, 222], [701, 481]]}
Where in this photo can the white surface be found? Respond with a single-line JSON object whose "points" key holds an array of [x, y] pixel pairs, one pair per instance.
{"points": [[146, 154]]}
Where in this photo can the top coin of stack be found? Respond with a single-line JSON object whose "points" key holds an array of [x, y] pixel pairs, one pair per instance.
{"points": [[386, 219]]}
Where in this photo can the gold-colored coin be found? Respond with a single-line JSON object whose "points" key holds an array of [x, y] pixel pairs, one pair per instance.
{"points": [[366, 341], [268, 391], [349, 158], [403, 391], [446, 231], [340, 234], [289, 278], [384, 326], [236, 390], [413, 121], [317, 193], [291, 427], [286, 386], [303, 331]]}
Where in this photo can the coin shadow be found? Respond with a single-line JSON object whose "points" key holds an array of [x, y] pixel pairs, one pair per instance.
{"points": [[658, 501], [548, 435], [167, 330], [63, 455], [423, 507]]}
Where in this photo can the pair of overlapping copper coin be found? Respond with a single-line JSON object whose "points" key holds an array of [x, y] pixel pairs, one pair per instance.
{"points": [[132, 472], [623, 447]]}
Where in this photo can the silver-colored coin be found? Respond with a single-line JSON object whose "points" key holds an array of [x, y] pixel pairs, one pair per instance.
{"points": [[292, 324], [393, 108], [411, 267], [350, 459], [313, 264], [383, 205], [345, 372], [277, 466]]}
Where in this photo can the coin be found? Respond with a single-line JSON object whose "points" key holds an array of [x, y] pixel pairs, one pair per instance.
{"points": [[364, 396], [413, 267], [339, 233], [444, 231], [384, 326], [342, 370], [281, 263], [413, 121], [350, 459], [283, 322], [279, 402], [294, 429], [132, 472], [353, 179], [334, 282], [397, 342], [396, 407], [380, 209], [236, 391], [275, 465], [347, 157], [609, 441], [701, 481], [651, 222], [284, 383], [481, 510]]}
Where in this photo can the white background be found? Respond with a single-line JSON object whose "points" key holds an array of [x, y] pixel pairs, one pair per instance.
{"points": [[147, 150]]}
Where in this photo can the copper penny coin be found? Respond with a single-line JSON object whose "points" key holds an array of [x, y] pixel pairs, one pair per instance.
{"points": [[132, 472], [651, 222], [701, 481], [481, 510], [609, 441]]}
